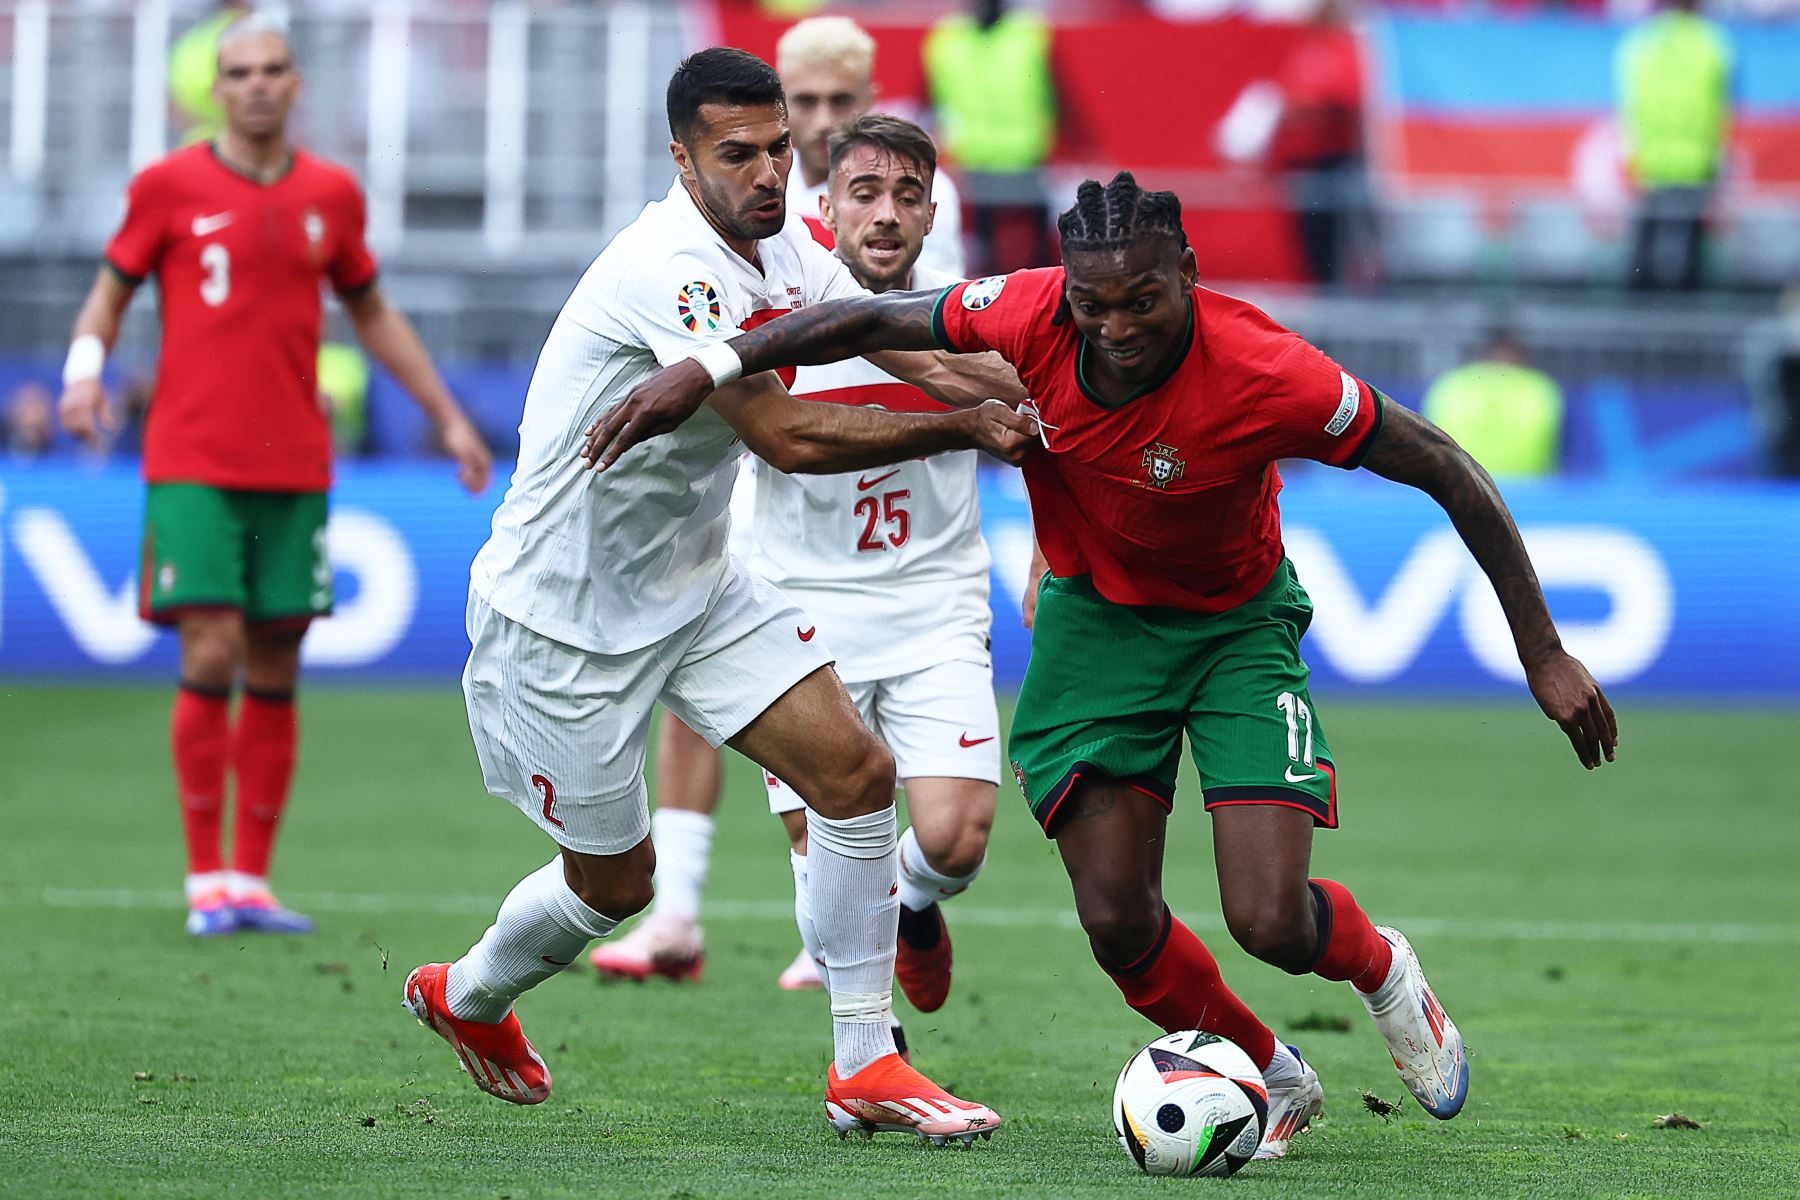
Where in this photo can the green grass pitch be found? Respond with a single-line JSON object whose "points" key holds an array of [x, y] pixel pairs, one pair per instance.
{"points": [[1615, 946]]}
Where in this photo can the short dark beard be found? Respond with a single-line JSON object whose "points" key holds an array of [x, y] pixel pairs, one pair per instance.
{"points": [[732, 222]]}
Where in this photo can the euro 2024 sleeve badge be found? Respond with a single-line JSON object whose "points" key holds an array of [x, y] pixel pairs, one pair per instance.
{"points": [[697, 303]]}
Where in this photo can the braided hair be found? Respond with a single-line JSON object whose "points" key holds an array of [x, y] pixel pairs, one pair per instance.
{"points": [[1117, 216]]}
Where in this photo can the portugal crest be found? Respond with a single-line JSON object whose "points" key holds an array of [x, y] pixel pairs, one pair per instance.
{"points": [[1163, 464]]}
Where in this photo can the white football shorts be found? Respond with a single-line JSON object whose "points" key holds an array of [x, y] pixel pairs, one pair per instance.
{"points": [[560, 732], [939, 721]]}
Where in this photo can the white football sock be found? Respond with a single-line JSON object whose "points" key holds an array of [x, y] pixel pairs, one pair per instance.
{"points": [[920, 885], [1284, 1069], [683, 843], [852, 880], [542, 927], [240, 883], [809, 933], [207, 881]]}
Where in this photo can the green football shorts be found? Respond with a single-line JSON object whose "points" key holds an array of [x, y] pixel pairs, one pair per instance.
{"points": [[262, 553], [1111, 687]]}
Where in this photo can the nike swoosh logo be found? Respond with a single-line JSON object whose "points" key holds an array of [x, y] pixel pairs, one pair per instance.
{"points": [[1293, 778], [966, 741], [212, 224], [555, 962], [806, 635], [863, 485]]}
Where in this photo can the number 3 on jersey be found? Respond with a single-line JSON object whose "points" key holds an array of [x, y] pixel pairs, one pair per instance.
{"points": [[216, 287], [890, 512]]}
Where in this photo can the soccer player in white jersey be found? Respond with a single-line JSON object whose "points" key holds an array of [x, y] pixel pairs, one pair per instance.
{"points": [[827, 70], [892, 565], [827, 66], [599, 595]]}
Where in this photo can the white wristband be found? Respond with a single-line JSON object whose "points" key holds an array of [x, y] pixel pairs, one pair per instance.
{"points": [[720, 361], [87, 356]]}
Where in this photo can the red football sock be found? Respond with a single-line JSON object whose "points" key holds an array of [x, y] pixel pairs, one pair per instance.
{"points": [[1177, 985], [263, 757], [1349, 947], [198, 738]]}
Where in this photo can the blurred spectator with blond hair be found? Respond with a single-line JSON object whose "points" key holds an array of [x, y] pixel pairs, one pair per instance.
{"points": [[827, 68]]}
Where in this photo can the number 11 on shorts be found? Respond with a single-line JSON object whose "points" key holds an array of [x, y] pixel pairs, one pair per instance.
{"points": [[1297, 713]]}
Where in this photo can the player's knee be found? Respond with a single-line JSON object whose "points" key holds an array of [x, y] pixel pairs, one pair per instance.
{"points": [[959, 853], [210, 652], [864, 785], [1276, 931], [617, 894], [1120, 925]]}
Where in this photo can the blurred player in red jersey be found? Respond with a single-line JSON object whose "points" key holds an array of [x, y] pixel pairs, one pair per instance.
{"points": [[240, 233], [1169, 606]]}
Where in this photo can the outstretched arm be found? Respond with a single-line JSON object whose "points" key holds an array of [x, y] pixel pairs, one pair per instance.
{"points": [[804, 438], [391, 339], [1411, 450], [821, 333]]}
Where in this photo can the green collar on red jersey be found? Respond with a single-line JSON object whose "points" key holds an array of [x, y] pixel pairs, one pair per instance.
{"points": [[247, 177], [1161, 377]]}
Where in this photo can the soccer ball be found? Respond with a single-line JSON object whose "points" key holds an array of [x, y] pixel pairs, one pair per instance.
{"points": [[1190, 1104]]}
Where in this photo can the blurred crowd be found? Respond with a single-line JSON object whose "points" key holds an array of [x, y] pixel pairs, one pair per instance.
{"points": [[991, 75]]}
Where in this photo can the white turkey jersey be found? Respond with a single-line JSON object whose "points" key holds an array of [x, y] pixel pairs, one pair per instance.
{"points": [[612, 563], [890, 561]]}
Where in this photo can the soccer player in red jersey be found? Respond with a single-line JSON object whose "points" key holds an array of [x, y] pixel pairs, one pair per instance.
{"points": [[1169, 606], [240, 233]]}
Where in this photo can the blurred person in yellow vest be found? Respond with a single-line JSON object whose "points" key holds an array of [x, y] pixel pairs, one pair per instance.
{"points": [[1673, 76], [344, 395], [1502, 410], [991, 85], [193, 62]]}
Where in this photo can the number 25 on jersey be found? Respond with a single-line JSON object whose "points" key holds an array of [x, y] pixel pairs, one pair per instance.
{"points": [[884, 524]]}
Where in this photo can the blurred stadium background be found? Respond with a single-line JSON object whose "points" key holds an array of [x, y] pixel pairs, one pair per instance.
{"points": [[1462, 167], [1414, 186]]}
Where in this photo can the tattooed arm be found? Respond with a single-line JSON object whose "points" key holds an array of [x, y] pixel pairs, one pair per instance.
{"points": [[802, 438], [821, 333], [1411, 450]]}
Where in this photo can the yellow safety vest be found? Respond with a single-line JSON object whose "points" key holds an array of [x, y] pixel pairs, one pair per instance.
{"points": [[1508, 417], [995, 101], [193, 63], [1674, 83]]}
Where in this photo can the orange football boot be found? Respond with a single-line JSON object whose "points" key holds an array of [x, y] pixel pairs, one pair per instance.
{"points": [[497, 1057], [888, 1096]]}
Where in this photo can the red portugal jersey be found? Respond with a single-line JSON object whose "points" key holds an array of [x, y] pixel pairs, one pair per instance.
{"points": [[238, 266], [1168, 499]]}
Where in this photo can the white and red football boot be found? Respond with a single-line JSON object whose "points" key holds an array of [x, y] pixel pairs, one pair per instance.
{"points": [[888, 1096], [672, 947], [497, 1057], [1295, 1098], [1426, 1048]]}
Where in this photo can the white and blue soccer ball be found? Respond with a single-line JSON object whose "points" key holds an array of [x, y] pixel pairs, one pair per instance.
{"points": [[1190, 1103]]}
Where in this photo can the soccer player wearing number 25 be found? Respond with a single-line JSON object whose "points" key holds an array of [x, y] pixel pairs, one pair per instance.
{"points": [[598, 596], [240, 233], [1169, 606]]}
